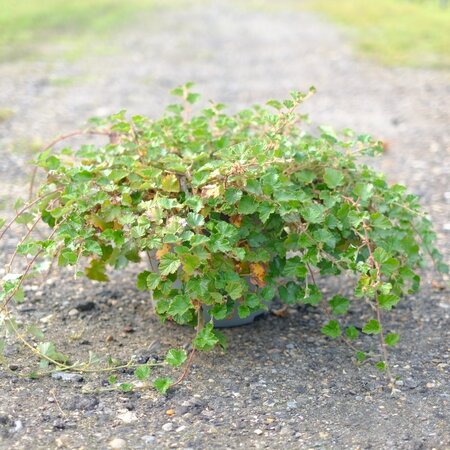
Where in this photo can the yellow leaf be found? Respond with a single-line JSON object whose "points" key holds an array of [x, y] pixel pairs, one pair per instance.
{"points": [[170, 183], [162, 251], [236, 220], [210, 190], [258, 272]]}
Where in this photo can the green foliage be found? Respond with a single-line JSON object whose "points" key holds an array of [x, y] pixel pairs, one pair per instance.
{"points": [[232, 211]]}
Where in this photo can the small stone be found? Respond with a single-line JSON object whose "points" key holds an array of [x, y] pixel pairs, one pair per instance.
{"points": [[83, 402], [13, 367], [149, 439], [117, 443], [167, 426], [127, 416], [59, 424], [430, 385], [181, 428], [85, 306], [258, 431], [399, 383], [292, 404], [66, 376], [18, 425], [73, 312], [170, 412], [109, 338]]}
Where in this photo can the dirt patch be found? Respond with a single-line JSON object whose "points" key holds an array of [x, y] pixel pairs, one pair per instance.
{"points": [[281, 384]]}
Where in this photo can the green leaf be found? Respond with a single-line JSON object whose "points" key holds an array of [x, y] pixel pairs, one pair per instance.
{"points": [[295, 267], [35, 331], [233, 195], [361, 356], [68, 257], [126, 387], [153, 280], [96, 271], [168, 264], [179, 305], [381, 366], [333, 178], [332, 329], [339, 304], [391, 339], [312, 295], [378, 220], [141, 283], [247, 205], [380, 255], [192, 98], [387, 301], [243, 311], [372, 327], [219, 312], [117, 175], [195, 220], [234, 289], [205, 339], [25, 218], [352, 332], [142, 372], [176, 357], [314, 213], [162, 384], [170, 183]]}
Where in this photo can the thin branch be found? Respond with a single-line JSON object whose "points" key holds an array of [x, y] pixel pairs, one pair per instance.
{"points": [[25, 208]]}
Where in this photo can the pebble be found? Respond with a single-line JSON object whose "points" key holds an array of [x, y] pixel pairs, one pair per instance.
{"points": [[292, 404], [85, 306], [59, 424], [167, 426], [66, 376], [13, 367], [117, 443], [149, 439], [181, 428], [258, 431], [73, 312]]}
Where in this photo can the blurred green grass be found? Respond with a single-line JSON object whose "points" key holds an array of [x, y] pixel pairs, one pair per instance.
{"points": [[29, 25], [395, 32]]}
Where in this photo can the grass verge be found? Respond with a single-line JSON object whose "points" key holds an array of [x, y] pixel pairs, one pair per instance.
{"points": [[395, 32], [29, 26]]}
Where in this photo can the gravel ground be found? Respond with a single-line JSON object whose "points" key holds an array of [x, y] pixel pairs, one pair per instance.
{"points": [[292, 387]]}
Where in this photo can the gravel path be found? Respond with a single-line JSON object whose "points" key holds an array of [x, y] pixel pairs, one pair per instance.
{"points": [[281, 384]]}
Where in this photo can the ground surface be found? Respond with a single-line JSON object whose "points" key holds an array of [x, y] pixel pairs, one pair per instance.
{"points": [[281, 384]]}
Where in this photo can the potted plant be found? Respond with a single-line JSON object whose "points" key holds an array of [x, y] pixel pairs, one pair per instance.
{"points": [[231, 211]]}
